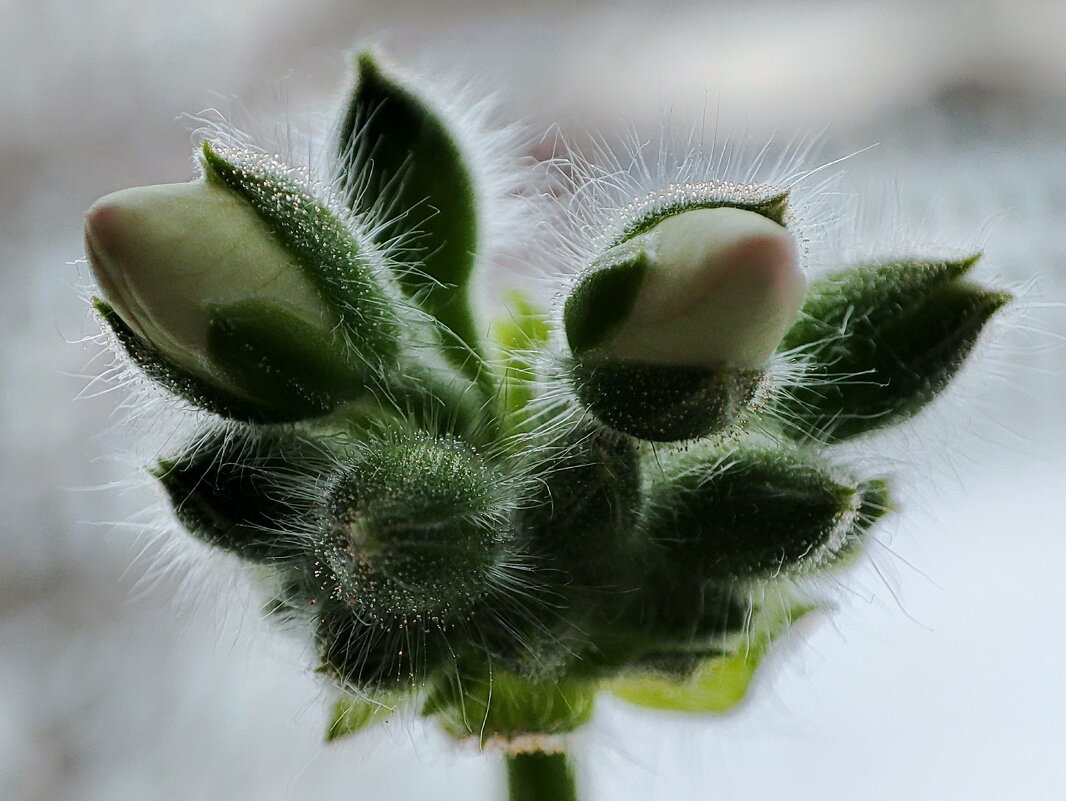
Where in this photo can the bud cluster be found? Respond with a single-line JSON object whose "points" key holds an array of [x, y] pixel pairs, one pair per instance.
{"points": [[497, 519]]}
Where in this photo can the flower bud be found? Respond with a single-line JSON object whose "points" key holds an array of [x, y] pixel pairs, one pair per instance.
{"points": [[586, 498], [753, 514], [413, 525], [220, 289], [881, 342], [670, 330]]}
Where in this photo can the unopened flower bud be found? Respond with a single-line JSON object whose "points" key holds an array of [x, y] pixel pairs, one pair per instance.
{"points": [[881, 342], [414, 525], [670, 330], [753, 514], [220, 290]]}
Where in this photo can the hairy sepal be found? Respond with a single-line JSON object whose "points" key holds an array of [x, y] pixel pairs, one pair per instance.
{"points": [[399, 160], [324, 248]]}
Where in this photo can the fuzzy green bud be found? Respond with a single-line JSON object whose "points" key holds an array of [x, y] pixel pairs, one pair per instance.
{"points": [[670, 330], [753, 514], [240, 292], [414, 524], [882, 342], [587, 499]]}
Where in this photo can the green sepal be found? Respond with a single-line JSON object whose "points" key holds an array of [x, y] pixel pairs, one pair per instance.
{"points": [[663, 403], [398, 159], [750, 513], [239, 491], [603, 298], [720, 684], [181, 382], [351, 714], [881, 342], [323, 248], [368, 653], [773, 205], [268, 352], [501, 705]]}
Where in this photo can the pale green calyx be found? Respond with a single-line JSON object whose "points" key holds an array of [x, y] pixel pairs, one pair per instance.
{"points": [[705, 288]]}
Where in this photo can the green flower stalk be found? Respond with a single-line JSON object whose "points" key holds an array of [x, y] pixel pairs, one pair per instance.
{"points": [[493, 520]]}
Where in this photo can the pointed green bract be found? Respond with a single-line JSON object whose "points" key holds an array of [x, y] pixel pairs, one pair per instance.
{"points": [[400, 162], [881, 342]]}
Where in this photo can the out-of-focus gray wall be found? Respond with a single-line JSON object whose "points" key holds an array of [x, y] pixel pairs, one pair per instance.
{"points": [[940, 677]]}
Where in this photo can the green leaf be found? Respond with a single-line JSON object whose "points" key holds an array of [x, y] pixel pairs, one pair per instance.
{"points": [[882, 341], [399, 157], [721, 684], [351, 714]]}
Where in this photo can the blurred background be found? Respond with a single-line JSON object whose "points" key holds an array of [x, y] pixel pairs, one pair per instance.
{"points": [[939, 675]]}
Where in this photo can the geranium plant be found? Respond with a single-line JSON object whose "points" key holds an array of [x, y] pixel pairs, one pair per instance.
{"points": [[492, 512]]}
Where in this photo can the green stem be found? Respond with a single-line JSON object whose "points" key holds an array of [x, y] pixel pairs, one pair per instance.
{"points": [[540, 777]]}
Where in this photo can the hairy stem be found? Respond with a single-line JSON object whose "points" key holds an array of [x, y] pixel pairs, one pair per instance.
{"points": [[540, 777]]}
